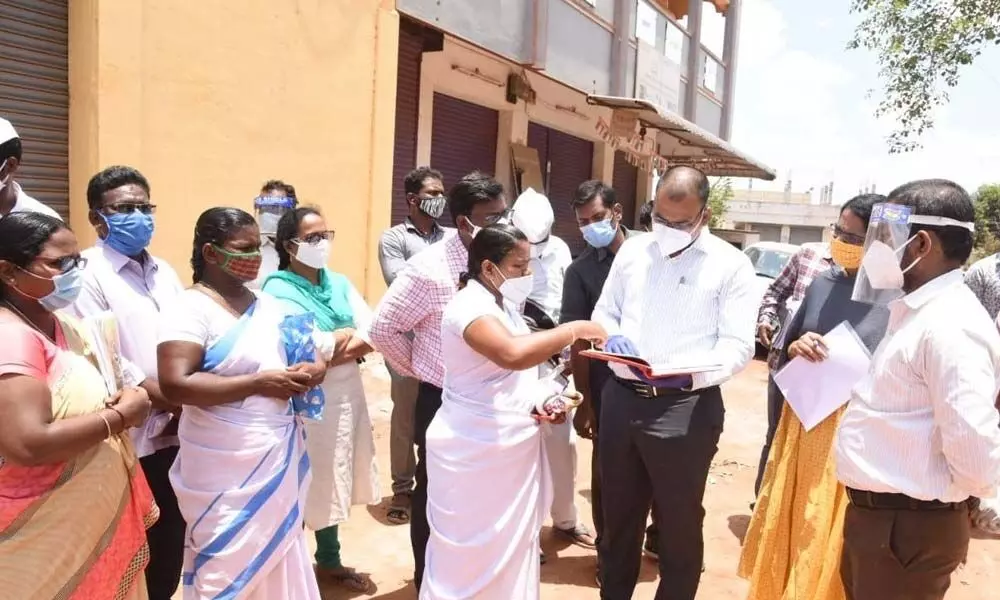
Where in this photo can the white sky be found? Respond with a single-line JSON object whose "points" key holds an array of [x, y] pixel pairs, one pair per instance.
{"points": [[802, 106]]}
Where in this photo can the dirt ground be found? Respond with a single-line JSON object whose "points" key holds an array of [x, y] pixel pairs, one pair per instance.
{"points": [[383, 550], [372, 545]]}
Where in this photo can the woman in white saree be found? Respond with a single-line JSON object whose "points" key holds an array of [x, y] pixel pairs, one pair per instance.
{"points": [[242, 470], [488, 480]]}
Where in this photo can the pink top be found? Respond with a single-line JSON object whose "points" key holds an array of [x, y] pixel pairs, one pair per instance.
{"points": [[25, 351]]}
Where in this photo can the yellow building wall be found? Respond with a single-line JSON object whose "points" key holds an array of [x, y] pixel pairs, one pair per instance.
{"points": [[209, 99]]}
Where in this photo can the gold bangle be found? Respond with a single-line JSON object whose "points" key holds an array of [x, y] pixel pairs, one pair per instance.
{"points": [[106, 424], [120, 416]]}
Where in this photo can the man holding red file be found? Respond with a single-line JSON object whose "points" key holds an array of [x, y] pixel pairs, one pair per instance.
{"points": [[683, 300]]}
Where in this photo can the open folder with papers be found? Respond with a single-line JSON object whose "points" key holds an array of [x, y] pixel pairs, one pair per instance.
{"points": [[654, 371]]}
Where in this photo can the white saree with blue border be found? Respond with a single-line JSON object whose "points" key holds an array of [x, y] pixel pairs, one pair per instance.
{"points": [[241, 476]]}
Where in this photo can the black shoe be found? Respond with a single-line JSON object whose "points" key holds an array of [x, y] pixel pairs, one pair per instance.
{"points": [[542, 559]]}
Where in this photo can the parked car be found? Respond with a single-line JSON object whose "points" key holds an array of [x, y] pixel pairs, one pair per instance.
{"points": [[768, 259]]}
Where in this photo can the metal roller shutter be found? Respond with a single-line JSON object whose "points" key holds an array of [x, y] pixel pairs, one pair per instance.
{"points": [[404, 151], [463, 139], [624, 181], [34, 93], [567, 161]]}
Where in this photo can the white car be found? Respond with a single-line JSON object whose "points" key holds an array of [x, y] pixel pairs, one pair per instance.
{"points": [[768, 259]]}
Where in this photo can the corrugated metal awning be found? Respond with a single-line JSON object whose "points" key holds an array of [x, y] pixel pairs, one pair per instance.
{"points": [[681, 142]]}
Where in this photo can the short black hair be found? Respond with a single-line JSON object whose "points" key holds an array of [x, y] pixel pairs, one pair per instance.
{"points": [[11, 149], [112, 178], [216, 226], [475, 188], [492, 243], [288, 229], [682, 181], [415, 179], [276, 184], [940, 198], [646, 214], [861, 206], [594, 188], [22, 236]]}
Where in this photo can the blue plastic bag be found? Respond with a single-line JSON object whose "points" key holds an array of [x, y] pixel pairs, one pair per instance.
{"points": [[297, 336]]}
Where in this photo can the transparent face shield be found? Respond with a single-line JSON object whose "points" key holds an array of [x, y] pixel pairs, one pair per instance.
{"points": [[268, 211], [880, 278]]}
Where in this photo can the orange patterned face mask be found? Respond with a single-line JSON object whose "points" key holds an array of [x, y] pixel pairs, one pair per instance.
{"points": [[847, 256]]}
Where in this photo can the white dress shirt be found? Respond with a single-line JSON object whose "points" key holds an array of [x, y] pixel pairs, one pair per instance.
{"points": [[135, 293], [922, 422], [700, 303], [548, 272]]}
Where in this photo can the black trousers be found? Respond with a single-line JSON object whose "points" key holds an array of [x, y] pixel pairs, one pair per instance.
{"points": [[655, 449], [166, 537], [599, 375], [775, 402], [428, 403]]}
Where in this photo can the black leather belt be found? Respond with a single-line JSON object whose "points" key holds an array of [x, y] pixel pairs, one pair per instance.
{"points": [[644, 390], [884, 501]]}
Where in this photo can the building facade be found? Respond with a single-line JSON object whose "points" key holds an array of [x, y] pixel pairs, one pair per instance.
{"points": [[342, 99], [776, 216]]}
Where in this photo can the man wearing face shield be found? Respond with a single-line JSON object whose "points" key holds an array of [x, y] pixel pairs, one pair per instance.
{"points": [[550, 257], [275, 199], [919, 437], [424, 189], [677, 293]]}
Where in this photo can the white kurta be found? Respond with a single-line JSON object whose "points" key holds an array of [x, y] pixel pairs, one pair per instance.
{"points": [[341, 445], [488, 479]]}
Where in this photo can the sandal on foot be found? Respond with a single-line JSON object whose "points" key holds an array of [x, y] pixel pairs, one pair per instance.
{"points": [[348, 578], [579, 535], [399, 510]]}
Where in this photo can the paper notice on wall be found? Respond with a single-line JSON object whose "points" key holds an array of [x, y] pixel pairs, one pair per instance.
{"points": [[623, 123], [527, 168]]}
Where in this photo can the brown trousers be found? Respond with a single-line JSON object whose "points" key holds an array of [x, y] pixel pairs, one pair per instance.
{"points": [[902, 554]]}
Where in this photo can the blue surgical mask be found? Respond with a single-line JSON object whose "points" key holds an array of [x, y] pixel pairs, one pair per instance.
{"points": [[65, 291], [128, 233], [600, 234]]}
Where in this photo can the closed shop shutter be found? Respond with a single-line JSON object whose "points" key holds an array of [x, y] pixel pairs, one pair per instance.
{"points": [[624, 181], [404, 151], [463, 139], [567, 161], [34, 94], [804, 235]]}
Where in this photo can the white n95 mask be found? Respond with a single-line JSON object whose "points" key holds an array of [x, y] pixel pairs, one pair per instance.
{"points": [[881, 265]]}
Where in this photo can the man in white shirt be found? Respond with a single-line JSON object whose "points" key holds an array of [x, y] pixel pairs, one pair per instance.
{"points": [[678, 294], [12, 197], [550, 257], [275, 199], [920, 434], [123, 278]]}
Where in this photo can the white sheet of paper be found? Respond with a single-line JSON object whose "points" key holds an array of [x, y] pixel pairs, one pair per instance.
{"points": [[816, 390]]}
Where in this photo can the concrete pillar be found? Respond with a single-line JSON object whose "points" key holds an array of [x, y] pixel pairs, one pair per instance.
{"points": [[603, 166], [694, 61], [730, 50], [786, 234], [512, 128]]}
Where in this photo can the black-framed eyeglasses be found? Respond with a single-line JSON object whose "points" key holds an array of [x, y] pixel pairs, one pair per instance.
{"points": [[315, 238], [846, 236], [128, 208], [65, 263]]}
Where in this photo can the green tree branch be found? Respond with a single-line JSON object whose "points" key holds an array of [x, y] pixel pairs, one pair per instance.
{"points": [[921, 47]]}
